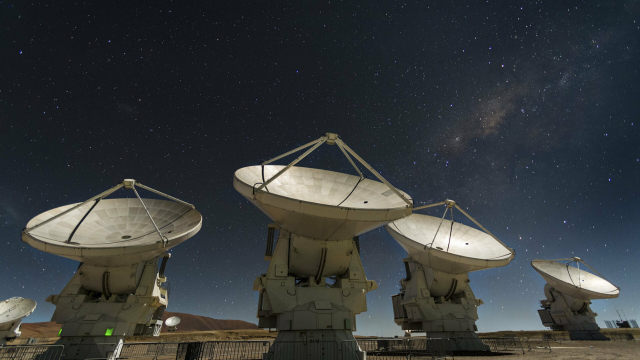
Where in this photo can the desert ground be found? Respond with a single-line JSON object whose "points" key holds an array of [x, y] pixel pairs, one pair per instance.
{"points": [[591, 350]]}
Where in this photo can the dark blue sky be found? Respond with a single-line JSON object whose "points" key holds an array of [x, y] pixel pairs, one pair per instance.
{"points": [[524, 112]]}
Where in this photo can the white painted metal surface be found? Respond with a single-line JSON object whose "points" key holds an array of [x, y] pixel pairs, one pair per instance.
{"points": [[318, 214], [321, 204], [172, 321], [575, 282], [455, 250], [116, 232], [14, 309], [119, 288], [435, 297]]}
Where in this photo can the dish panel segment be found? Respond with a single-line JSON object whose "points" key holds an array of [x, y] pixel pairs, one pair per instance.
{"points": [[321, 204], [460, 249], [571, 281], [116, 232]]}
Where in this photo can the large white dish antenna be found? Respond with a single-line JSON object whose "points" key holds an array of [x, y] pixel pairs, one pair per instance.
{"points": [[113, 232], [14, 309], [460, 249], [172, 321], [575, 282], [320, 204]]}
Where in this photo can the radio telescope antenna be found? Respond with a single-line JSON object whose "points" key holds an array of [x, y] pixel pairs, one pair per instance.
{"points": [[12, 311], [319, 215], [441, 253], [172, 323], [567, 304], [120, 288]]}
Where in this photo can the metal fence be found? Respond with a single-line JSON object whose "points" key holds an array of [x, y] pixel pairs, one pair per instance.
{"points": [[322, 350], [396, 349], [93, 350], [616, 336], [232, 350], [437, 348], [31, 352], [153, 351], [621, 336], [379, 349], [376, 349], [188, 351], [468, 344], [222, 350], [504, 344]]}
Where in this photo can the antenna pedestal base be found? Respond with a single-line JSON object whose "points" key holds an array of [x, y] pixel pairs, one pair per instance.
{"points": [[86, 312], [562, 312], [10, 334], [313, 316], [459, 341], [315, 345], [440, 304]]}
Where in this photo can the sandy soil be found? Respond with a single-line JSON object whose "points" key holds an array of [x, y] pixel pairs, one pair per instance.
{"points": [[591, 350], [565, 334]]}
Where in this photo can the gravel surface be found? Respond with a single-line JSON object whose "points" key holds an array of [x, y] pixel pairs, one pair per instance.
{"points": [[595, 350]]}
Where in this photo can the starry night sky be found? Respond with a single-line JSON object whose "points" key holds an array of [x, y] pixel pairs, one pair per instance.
{"points": [[524, 112]]}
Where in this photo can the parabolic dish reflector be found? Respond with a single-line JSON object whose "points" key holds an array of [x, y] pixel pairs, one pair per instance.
{"points": [[172, 321], [117, 232], [321, 204], [575, 282], [15, 308], [458, 250]]}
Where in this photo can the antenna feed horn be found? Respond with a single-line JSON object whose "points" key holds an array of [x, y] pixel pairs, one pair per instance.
{"points": [[450, 203], [128, 183], [331, 138]]}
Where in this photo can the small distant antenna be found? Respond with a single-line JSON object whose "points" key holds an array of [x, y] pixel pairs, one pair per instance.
{"points": [[619, 315]]}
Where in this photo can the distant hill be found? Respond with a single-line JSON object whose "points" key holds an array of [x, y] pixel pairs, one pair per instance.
{"points": [[188, 323], [39, 330]]}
